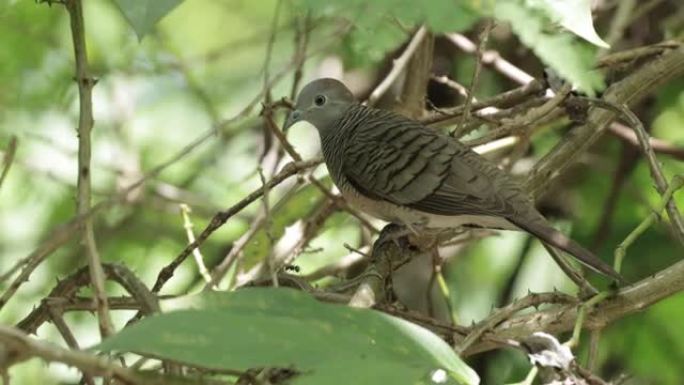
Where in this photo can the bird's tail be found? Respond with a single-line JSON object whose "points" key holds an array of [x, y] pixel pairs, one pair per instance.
{"points": [[547, 234]]}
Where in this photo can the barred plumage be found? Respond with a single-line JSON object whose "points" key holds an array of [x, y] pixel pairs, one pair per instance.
{"points": [[397, 169]]}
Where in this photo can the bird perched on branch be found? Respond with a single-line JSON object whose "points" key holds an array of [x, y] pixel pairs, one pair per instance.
{"points": [[398, 170]]}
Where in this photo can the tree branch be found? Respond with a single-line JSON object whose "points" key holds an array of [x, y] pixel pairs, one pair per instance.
{"points": [[85, 125], [626, 301], [630, 90]]}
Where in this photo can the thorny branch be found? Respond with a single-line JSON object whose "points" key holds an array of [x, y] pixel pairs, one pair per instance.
{"points": [[85, 125]]}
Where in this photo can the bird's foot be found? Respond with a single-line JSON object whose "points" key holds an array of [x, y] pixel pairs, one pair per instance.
{"points": [[405, 235], [394, 233]]}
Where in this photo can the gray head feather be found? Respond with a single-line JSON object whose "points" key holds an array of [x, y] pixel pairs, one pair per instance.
{"points": [[321, 103]]}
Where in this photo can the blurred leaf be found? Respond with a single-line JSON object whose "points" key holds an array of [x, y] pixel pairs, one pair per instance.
{"points": [[284, 214], [142, 15], [380, 26], [574, 15], [266, 327], [560, 51]]}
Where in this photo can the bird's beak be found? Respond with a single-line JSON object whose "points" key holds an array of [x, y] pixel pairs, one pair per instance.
{"points": [[294, 117]]}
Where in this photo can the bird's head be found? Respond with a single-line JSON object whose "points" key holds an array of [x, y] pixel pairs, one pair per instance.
{"points": [[321, 103]]}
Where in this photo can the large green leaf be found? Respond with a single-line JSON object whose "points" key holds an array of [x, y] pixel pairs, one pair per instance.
{"points": [[142, 15], [266, 327], [561, 51]]}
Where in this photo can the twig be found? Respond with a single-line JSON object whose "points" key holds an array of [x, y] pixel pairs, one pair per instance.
{"points": [[20, 347], [620, 21], [491, 58], [269, 51], [338, 266], [456, 86], [199, 259], [57, 319], [569, 271], [222, 217], [8, 158], [629, 157], [659, 146], [500, 315], [584, 308], [627, 300], [85, 125], [301, 44], [268, 222], [443, 288], [67, 288], [342, 204], [676, 183], [397, 66], [528, 120], [267, 113], [631, 89], [592, 355], [484, 36], [631, 55], [654, 167], [503, 99], [411, 101]]}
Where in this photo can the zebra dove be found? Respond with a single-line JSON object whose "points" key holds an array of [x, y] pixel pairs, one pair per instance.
{"points": [[398, 170]]}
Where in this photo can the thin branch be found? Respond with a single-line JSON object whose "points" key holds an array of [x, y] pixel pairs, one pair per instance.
{"points": [[634, 54], [654, 166], [620, 21], [676, 183], [222, 217], [484, 37], [626, 301], [68, 287], [267, 113], [85, 125], [20, 347], [397, 66], [530, 119], [188, 226], [8, 158], [301, 44], [659, 146], [531, 300], [630, 90], [491, 58], [504, 99], [269, 51]]}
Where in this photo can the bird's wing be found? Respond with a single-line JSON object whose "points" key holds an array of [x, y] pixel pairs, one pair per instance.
{"points": [[397, 159]]}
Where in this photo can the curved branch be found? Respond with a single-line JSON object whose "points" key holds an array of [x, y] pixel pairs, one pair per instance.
{"points": [[626, 301]]}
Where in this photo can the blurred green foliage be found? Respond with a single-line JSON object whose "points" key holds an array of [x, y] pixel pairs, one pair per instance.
{"points": [[203, 62]]}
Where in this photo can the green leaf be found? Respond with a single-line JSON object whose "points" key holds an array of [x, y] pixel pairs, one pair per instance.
{"points": [[382, 25], [560, 51], [267, 327], [142, 15], [573, 15]]}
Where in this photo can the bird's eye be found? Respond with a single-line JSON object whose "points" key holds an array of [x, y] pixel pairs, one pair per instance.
{"points": [[319, 100]]}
